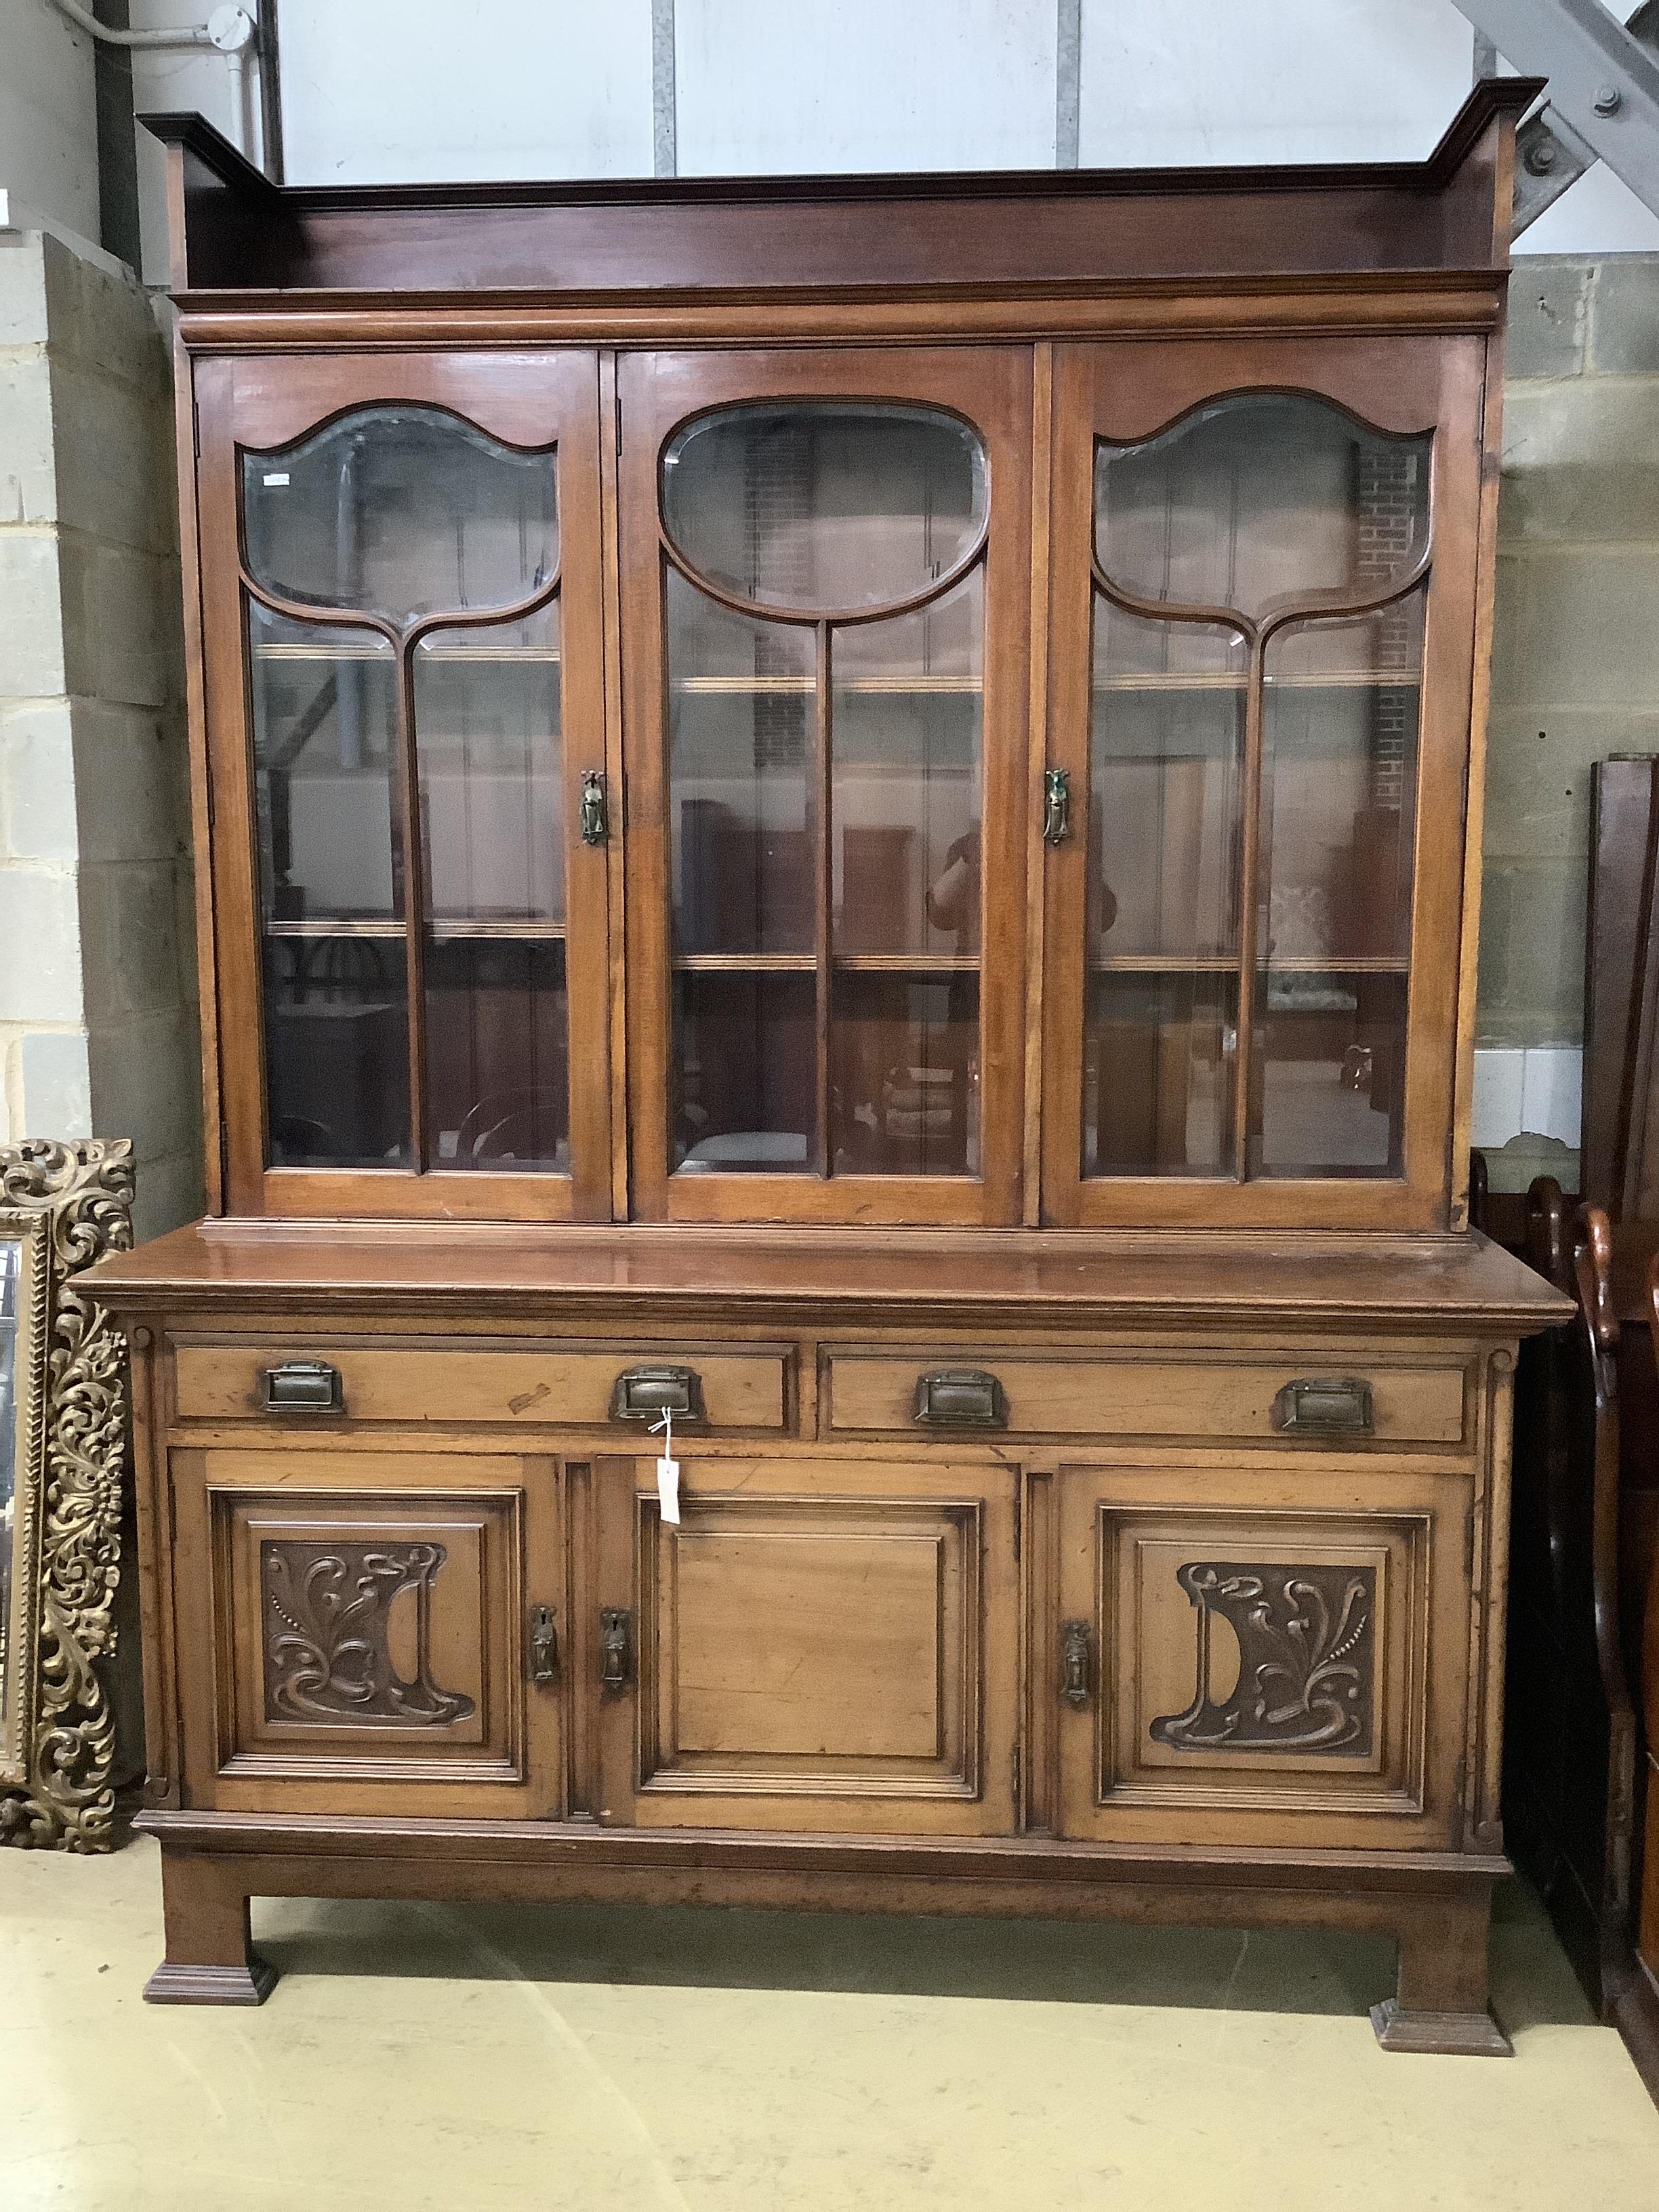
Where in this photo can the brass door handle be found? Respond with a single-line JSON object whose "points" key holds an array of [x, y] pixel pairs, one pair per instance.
{"points": [[595, 809], [960, 1398], [1324, 1405], [646, 1394], [1074, 1641], [616, 1648], [1056, 805], [304, 1386], [544, 1644]]}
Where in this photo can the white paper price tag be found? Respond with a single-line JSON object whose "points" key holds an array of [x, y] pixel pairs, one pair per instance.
{"points": [[668, 1488]]}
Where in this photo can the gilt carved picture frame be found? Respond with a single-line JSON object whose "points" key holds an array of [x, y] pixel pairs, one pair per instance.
{"points": [[63, 1453]]}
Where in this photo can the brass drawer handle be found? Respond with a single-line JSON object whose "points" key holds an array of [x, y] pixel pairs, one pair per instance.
{"points": [[1074, 1662], [304, 1386], [544, 1644], [960, 1398], [646, 1394], [616, 1648], [1324, 1405]]}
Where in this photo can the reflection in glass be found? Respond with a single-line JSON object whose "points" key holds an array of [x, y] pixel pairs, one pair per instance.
{"points": [[1157, 1074], [1330, 1070], [904, 1074], [741, 724], [1258, 498], [906, 796], [490, 750], [400, 511], [498, 1078], [491, 760], [1339, 733], [336, 1048], [824, 506], [1167, 740], [325, 751], [745, 1062], [11, 1261]]}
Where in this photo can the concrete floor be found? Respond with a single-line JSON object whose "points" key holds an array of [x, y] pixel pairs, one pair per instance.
{"points": [[418, 2055]]}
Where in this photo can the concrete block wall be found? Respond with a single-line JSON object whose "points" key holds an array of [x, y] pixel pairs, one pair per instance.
{"points": [[1575, 670], [97, 1030]]}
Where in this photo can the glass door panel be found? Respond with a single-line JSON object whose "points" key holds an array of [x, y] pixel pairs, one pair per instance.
{"points": [[741, 718], [907, 803], [825, 789], [490, 752], [1258, 600], [324, 710], [411, 780], [406, 547], [404, 510], [1339, 744]]}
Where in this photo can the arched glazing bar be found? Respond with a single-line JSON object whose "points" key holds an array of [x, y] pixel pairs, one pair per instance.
{"points": [[1260, 570]]}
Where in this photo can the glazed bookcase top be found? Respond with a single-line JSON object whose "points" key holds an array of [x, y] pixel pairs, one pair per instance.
{"points": [[845, 703]]}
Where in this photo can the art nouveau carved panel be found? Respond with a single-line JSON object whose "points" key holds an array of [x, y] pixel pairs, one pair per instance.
{"points": [[371, 1621], [1260, 1656]]}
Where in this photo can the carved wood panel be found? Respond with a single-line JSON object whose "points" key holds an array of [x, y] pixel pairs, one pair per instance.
{"points": [[1259, 1657], [1305, 1676], [369, 1618], [328, 1631], [816, 1647]]}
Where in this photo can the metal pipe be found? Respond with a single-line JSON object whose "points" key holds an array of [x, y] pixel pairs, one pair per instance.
{"points": [[229, 31], [193, 34]]}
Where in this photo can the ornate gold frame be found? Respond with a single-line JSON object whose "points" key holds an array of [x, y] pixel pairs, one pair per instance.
{"points": [[68, 1204]]}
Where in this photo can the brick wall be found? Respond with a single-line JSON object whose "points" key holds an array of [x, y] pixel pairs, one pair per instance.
{"points": [[1576, 669], [98, 1028]]}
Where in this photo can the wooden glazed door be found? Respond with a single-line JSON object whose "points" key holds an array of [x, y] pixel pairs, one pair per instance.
{"points": [[405, 695], [814, 1646], [1263, 579], [380, 1631], [1247, 1657], [826, 613]]}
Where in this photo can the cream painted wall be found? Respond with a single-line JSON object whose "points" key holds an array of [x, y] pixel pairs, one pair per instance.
{"points": [[415, 90], [48, 122]]}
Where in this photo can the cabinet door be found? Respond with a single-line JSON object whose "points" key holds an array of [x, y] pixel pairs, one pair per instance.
{"points": [[377, 1632], [813, 1646], [1279, 1658], [401, 629], [826, 608], [1264, 575]]}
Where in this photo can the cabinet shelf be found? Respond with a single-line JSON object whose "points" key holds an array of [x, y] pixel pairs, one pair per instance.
{"points": [[1332, 679], [698, 686], [360, 650], [844, 963], [1316, 964], [444, 932]]}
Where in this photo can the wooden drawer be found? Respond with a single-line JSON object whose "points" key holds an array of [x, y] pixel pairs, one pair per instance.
{"points": [[562, 1385], [1264, 1400]]}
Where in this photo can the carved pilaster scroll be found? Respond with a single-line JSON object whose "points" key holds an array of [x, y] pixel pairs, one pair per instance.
{"points": [[1306, 1654], [327, 1638], [69, 1204]]}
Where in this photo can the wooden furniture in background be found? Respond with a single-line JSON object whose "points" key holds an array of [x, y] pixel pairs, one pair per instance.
{"points": [[847, 811]]}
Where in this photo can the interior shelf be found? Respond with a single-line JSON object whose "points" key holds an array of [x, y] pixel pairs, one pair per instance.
{"points": [[804, 686], [806, 964], [1204, 963], [360, 649], [1325, 679], [444, 932]]}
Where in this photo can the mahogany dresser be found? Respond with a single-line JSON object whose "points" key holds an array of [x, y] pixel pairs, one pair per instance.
{"points": [[838, 836]]}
